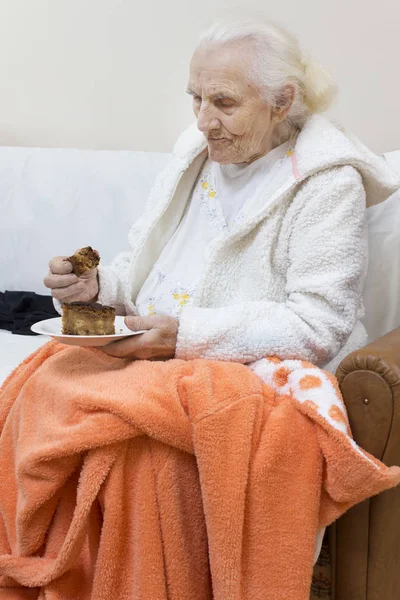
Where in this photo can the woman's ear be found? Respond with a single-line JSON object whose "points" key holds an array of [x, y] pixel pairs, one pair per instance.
{"points": [[283, 104]]}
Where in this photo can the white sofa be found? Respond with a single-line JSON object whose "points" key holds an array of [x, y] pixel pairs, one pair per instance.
{"points": [[55, 201]]}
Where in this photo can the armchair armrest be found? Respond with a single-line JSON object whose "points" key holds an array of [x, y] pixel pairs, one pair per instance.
{"points": [[369, 379], [365, 541]]}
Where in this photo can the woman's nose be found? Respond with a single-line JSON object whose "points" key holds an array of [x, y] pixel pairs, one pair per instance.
{"points": [[206, 120]]}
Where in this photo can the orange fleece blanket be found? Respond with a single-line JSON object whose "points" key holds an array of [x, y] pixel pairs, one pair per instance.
{"points": [[172, 480]]}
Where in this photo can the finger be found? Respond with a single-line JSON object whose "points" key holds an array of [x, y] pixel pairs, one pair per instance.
{"points": [[66, 292], [58, 281], [79, 297], [89, 274], [140, 323], [132, 347], [60, 265]]}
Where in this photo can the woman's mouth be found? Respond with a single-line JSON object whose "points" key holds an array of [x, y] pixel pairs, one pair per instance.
{"points": [[218, 140]]}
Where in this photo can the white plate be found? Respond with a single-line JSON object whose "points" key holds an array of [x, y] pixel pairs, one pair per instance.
{"points": [[53, 327]]}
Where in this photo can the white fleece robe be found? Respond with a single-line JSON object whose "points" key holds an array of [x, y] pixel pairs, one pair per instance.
{"points": [[288, 281]]}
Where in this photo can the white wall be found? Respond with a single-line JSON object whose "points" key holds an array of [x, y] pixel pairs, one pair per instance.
{"points": [[111, 73]]}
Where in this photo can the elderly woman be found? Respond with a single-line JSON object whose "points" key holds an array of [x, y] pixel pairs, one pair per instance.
{"points": [[253, 244], [254, 239]]}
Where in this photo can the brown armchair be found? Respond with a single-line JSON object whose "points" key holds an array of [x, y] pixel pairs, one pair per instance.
{"points": [[365, 542]]}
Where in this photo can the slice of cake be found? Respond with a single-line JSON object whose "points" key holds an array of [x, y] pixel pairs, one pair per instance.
{"points": [[84, 318], [84, 260]]}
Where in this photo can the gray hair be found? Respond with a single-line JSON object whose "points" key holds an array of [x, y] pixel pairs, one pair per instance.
{"points": [[277, 61]]}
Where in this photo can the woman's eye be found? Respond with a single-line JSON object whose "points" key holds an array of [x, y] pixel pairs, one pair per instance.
{"points": [[226, 102], [197, 98]]}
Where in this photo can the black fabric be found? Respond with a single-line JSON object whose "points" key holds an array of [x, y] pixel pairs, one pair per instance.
{"points": [[20, 310]]}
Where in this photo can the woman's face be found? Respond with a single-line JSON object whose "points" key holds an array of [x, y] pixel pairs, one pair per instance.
{"points": [[230, 111]]}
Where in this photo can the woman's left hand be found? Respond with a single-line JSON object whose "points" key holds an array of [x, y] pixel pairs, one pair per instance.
{"points": [[158, 341]]}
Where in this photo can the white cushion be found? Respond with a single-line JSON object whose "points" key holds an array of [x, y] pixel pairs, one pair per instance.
{"points": [[55, 201], [382, 288], [15, 348]]}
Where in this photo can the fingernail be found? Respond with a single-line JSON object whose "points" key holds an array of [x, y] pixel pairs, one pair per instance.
{"points": [[130, 322]]}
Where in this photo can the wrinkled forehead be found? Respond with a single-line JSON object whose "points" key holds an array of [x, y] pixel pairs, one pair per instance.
{"points": [[221, 67]]}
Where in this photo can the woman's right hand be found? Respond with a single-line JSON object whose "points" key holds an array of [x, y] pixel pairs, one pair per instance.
{"points": [[67, 287]]}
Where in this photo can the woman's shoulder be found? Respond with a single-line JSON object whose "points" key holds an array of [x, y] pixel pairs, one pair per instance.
{"points": [[323, 146], [331, 177], [330, 195]]}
